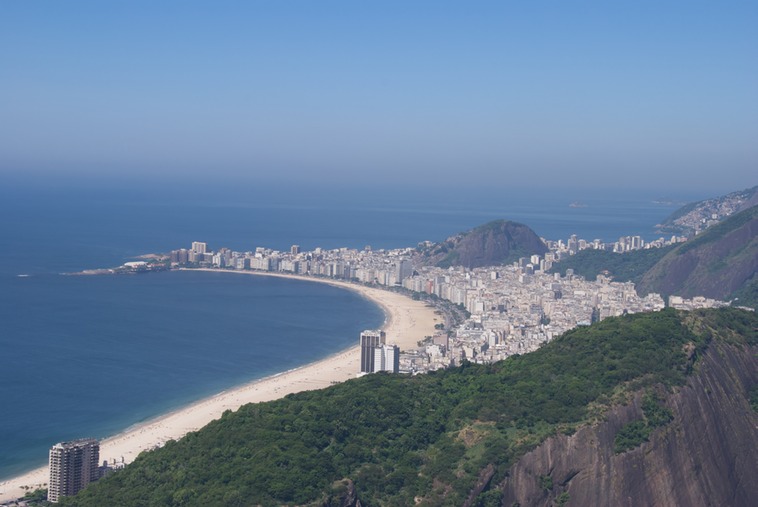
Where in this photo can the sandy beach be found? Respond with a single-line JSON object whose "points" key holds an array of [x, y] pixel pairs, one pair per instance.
{"points": [[407, 322]]}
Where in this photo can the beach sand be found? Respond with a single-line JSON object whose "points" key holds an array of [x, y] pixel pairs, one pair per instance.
{"points": [[407, 322]]}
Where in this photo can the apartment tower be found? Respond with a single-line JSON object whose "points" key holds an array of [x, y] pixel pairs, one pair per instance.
{"points": [[369, 341], [73, 465], [387, 358]]}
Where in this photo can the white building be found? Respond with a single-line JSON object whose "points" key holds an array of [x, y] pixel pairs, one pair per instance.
{"points": [[387, 358]]}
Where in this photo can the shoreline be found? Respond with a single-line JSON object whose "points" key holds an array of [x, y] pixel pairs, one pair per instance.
{"points": [[406, 323]]}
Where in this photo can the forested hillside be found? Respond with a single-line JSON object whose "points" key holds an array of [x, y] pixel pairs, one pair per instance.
{"points": [[624, 267], [446, 438], [720, 263]]}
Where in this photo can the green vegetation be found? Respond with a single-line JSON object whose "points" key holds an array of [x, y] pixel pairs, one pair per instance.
{"points": [[753, 398], [631, 436], [626, 267], [492, 226], [37, 498], [719, 263], [451, 259], [656, 413], [718, 231], [402, 439], [636, 432], [748, 294], [546, 482]]}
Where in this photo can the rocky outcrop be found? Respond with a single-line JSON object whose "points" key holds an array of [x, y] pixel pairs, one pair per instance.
{"points": [[491, 244], [706, 456], [485, 476], [344, 495]]}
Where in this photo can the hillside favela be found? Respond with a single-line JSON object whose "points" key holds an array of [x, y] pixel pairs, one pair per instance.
{"points": [[537, 381]]}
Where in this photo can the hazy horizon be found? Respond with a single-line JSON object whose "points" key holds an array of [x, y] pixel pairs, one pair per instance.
{"points": [[486, 95]]}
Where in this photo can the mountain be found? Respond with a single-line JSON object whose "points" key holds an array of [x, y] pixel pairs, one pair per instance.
{"points": [[646, 409], [700, 455], [718, 262], [492, 244], [697, 216]]}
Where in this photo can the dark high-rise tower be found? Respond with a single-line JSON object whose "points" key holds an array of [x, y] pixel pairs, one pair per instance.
{"points": [[73, 465], [369, 341]]}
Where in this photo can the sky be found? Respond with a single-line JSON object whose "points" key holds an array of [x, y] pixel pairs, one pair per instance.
{"points": [[412, 93]]}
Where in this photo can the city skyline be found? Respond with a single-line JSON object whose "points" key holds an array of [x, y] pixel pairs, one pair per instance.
{"points": [[586, 94]]}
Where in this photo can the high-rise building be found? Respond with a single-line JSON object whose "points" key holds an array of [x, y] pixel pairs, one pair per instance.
{"points": [[403, 269], [378, 359], [387, 358], [199, 247], [295, 249], [73, 465], [573, 244], [180, 256], [369, 341]]}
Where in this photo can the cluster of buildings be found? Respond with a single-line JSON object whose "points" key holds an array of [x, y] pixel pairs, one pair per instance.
{"points": [[559, 249], [516, 309], [376, 354], [513, 309], [712, 211], [384, 267], [681, 303]]}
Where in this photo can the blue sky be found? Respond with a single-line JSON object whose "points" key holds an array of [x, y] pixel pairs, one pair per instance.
{"points": [[613, 94]]}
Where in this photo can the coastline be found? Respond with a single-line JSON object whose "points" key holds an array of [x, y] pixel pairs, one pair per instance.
{"points": [[406, 323]]}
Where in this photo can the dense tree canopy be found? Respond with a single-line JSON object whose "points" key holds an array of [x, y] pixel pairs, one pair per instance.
{"points": [[426, 438]]}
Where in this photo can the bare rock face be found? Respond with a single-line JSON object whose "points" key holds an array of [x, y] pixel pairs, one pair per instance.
{"points": [[345, 495], [706, 456]]}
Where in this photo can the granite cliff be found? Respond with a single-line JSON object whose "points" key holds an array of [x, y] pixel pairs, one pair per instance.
{"points": [[706, 456]]}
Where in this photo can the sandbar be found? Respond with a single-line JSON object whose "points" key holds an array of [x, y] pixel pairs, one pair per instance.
{"points": [[406, 323]]}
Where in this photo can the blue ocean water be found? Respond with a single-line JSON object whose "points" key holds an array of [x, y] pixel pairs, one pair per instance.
{"points": [[90, 356]]}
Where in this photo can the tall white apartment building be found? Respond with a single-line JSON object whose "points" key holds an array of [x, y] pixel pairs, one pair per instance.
{"points": [[387, 358], [199, 247]]}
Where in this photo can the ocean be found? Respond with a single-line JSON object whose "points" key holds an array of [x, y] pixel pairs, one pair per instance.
{"points": [[89, 356]]}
